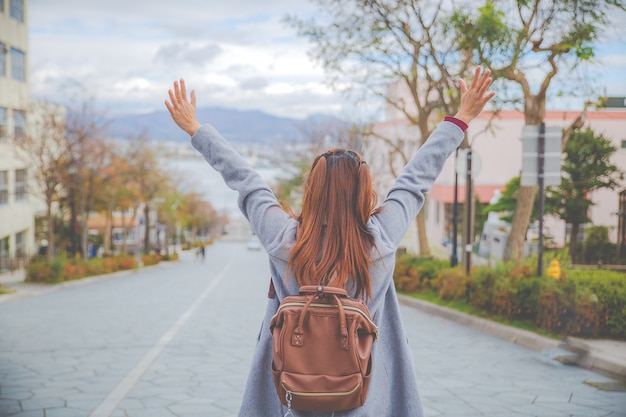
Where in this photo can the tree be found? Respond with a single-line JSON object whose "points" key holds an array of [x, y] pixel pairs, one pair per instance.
{"points": [[46, 148], [587, 168], [508, 200], [375, 45], [87, 152], [149, 178], [116, 191], [526, 40]]}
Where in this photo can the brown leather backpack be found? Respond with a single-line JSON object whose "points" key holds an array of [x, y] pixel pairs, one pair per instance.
{"points": [[322, 350]]}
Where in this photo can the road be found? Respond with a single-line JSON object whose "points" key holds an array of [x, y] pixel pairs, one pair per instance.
{"points": [[177, 340]]}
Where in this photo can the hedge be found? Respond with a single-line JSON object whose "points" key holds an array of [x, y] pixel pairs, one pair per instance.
{"points": [[585, 303]]}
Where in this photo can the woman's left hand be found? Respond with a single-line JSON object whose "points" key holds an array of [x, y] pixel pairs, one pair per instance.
{"points": [[182, 111]]}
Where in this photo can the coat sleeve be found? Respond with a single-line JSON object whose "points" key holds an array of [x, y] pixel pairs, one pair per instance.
{"points": [[256, 200], [406, 197]]}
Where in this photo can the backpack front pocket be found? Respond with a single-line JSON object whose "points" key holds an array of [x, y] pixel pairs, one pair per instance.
{"points": [[322, 392]]}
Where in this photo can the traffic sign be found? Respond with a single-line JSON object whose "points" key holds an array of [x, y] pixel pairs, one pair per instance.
{"points": [[552, 156]]}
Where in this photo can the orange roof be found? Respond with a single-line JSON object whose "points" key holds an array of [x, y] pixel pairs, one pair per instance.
{"points": [[558, 115], [519, 115], [445, 193]]}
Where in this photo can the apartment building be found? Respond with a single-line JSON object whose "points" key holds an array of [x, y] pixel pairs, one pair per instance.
{"points": [[497, 143], [17, 235]]}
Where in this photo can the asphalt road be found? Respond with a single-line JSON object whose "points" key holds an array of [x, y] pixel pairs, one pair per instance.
{"points": [[177, 340]]}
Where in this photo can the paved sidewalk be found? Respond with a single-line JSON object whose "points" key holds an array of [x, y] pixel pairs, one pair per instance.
{"points": [[176, 340], [607, 357]]}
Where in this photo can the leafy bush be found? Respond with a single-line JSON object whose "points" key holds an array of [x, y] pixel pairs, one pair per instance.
{"points": [[170, 257], [587, 303], [150, 259], [452, 284], [64, 269]]}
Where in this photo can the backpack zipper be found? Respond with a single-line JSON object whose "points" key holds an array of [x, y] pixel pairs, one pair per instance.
{"points": [[320, 394], [301, 304]]}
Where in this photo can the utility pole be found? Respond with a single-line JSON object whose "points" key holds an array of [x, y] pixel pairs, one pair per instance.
{"points": [[542, 197], [467, 253], [454, 260]]}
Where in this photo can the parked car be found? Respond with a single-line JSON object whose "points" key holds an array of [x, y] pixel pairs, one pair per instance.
{"points": [[253, 244]]}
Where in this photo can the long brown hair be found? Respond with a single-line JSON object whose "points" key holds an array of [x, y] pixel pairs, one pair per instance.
{"points": [[334, 246]]}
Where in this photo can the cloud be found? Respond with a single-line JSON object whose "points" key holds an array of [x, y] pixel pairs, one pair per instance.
{"points": [[128, 52], [235, 53], [256, 83], [178, 53]]}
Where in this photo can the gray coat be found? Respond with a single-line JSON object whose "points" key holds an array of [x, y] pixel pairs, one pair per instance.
{"points": [[393, 387]]}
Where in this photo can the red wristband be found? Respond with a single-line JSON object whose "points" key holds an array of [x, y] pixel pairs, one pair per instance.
{"points": [[460, 123]]}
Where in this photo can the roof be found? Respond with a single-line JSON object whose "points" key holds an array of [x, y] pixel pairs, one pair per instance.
{"points": [[445, 193]]}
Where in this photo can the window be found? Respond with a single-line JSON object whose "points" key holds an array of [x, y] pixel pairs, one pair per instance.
{"points": [[4, 254], [18, 65], [3, 58], [20, 244], [20, 185], [3, 122], [118, 236], [1, 6], [4, 187], [623, 144], [19, 124], [17, 10]]}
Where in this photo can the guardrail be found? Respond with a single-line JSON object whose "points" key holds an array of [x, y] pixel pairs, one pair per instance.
{"points": [[600, 265]]}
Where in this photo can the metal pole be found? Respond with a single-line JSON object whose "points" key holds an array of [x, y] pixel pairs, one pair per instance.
{"points": [[468, 214], [540, 180], [454, 259]]}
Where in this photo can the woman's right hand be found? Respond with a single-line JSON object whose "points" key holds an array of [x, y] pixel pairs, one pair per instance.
{"points": [[182, 111], [474, 99]]}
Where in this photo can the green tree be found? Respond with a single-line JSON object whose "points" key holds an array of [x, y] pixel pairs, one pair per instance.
{"points": [[508, 200], [587, 168], [395, 51], [527, 40]]}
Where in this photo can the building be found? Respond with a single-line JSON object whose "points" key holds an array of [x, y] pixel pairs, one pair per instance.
{"points": [[127, 228], [496, 140], [17, 234]]}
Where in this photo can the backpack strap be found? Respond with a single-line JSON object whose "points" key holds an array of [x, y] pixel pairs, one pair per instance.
{"points": [[297, 338]]}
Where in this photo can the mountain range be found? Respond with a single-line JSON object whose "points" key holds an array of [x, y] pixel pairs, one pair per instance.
{"points": [[242, 126]]}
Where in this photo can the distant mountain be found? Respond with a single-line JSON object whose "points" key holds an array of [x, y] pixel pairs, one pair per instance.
{"points": [[235, 125]]}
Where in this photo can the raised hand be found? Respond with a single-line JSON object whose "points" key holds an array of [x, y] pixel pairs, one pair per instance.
{"points": [[182, 111], [474, 99]]}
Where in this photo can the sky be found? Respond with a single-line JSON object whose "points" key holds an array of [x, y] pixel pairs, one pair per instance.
{"points": [[234, 53]]}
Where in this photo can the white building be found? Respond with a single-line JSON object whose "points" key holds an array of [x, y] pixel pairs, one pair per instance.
{"points": [[16, 209], [497, 141]]}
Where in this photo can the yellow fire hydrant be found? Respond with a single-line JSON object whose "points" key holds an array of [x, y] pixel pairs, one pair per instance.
{"points": [[554, 270]]}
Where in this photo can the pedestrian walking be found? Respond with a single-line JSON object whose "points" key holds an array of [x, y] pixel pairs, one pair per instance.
{"points": [[340, 238]]}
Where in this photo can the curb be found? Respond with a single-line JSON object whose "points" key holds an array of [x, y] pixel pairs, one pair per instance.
{"points": [[584, 355], [521, 337], [587, 358], [22, 290]]}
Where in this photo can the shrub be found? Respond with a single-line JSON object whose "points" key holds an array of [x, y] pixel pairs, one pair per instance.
{"points": [[170, 256], [452, 284], [39, 270], [150, 259], [587, 303], [63, 269]]}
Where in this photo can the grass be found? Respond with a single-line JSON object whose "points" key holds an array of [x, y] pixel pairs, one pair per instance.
{"points": [[462, 306], [5, 291]]}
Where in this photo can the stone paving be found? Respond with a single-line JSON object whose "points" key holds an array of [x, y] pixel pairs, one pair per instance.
{"points": [[174, 340]]}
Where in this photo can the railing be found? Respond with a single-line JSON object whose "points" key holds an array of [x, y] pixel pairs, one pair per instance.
{"points": [[8, 263], [599, 265]]}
